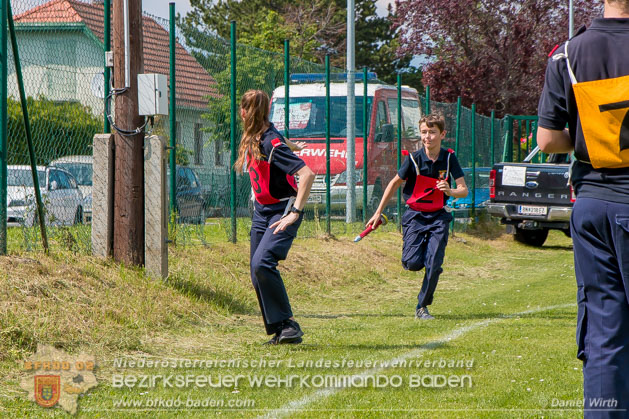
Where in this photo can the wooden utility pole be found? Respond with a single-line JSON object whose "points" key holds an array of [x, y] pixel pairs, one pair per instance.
{"points": [[128, 223]]}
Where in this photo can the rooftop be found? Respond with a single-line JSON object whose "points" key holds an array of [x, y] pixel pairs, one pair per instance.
{"points": [[194, 84]]}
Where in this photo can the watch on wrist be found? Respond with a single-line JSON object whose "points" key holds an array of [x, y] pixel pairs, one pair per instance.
{"points": [[295, 210]]}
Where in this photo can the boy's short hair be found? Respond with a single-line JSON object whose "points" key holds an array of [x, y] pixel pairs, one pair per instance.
{"points": [[432, 120]]}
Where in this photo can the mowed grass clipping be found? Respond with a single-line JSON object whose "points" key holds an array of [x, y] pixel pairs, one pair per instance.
{"points": [[505, 320]]}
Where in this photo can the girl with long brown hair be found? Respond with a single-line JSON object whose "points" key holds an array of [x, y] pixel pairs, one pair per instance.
{"points": [[278, 211]]}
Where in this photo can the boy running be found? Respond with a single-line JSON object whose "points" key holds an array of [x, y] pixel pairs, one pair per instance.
{"points": [[427, 173]]}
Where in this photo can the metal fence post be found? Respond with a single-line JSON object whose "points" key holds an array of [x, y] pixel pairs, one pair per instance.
{"points": [[172, 112], [540, 155], [528, 131], [327, 144], [458, 126], [457, 133], [365, 133], [27, 127], [399, 146], [427, 100], [3, 127], [232, 139], [473, 159], [510, 136], [492, 132], [286, 88], [519, 136]]}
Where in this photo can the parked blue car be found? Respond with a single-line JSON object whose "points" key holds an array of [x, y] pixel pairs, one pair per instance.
{"points": [[191, 196]]}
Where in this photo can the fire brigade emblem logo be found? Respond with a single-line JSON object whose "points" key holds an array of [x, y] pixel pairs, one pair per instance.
{"points": [[47, 390], [55, 379]]}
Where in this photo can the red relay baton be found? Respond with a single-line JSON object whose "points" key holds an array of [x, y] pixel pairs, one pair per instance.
{"points": [[382, 220]]}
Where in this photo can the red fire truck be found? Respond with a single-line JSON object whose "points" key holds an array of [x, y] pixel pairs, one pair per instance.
{"points": [[307, 123]]}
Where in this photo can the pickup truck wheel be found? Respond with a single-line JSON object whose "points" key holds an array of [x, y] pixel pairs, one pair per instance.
{"points": [[531, 237]]}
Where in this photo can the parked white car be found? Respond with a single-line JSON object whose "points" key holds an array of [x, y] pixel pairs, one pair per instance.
{"points": [[61, 196], [81, 168]]}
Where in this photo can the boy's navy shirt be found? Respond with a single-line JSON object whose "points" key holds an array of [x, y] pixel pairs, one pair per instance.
{"points": [[431, 169], [284, 162], [594, 55]]}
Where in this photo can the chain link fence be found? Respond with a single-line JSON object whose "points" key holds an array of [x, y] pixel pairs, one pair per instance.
{"points": [[61, 64], [61, 54]]}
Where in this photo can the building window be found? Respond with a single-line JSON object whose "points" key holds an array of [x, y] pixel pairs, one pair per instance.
{"points": [[198, 145]]}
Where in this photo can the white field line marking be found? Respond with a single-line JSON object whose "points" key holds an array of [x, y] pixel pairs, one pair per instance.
{"points": [[455, 334]]}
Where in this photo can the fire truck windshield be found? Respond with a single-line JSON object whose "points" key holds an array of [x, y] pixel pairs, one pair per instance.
{"points": [[307, 116]]}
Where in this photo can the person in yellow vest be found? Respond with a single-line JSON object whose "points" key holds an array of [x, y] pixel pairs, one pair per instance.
{"points": [[587, 89]]}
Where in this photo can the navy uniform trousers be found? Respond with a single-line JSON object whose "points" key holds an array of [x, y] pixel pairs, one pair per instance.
{"points": [[267, 249], [600, 233], [424, 247]]}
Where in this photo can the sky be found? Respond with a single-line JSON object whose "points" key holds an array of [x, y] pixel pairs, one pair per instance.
{"points": [[160, 7]]}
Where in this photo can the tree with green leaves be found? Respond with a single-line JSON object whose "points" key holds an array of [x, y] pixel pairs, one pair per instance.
{"points": [[377, 44], [256, 69], [315, 28], [58, 129]]}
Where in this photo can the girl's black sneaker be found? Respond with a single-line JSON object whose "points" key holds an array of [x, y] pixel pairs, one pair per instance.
{"points": [[291, 332], [275, 340]]}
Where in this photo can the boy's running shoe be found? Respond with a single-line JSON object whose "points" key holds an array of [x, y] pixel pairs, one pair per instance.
{"points": [[423, 314]]}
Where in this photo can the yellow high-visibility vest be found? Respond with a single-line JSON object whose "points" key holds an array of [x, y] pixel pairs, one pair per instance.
{"points": [[604, 113]]}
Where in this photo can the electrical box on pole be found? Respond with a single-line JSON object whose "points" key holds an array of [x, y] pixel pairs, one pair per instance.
{"points": [[152, 94], [109, 59]]}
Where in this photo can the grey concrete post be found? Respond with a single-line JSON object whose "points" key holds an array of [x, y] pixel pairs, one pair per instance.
{"points": [[155, 207], [103, 195]]}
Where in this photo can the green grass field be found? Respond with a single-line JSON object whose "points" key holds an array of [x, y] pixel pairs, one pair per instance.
{"points": [[503, 334]]}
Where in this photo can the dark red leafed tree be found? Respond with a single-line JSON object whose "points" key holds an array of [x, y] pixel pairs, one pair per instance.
{"points": [[489, 52]]}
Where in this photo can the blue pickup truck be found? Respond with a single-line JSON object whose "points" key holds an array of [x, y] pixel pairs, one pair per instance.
{"points": [[532, 199]]}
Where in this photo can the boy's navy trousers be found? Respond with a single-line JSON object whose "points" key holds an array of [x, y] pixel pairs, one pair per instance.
{"points": [[600, 234], [425, 239], [267, 249]]}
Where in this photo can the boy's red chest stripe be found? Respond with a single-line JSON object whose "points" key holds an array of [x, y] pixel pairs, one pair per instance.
{"points": [[421, 200]]}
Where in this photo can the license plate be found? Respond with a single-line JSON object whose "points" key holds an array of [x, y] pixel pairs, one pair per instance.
{"points": [[315, 199], [532, 210]]}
